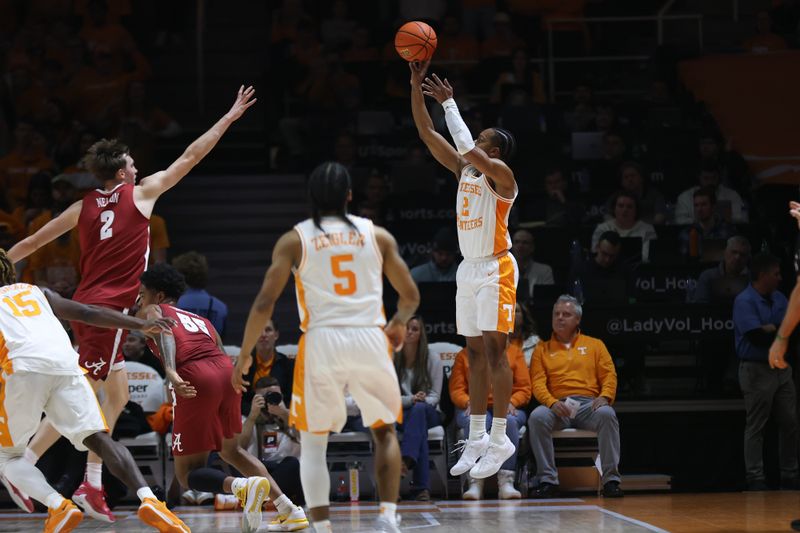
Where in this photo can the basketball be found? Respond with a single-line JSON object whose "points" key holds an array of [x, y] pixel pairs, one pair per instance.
{"points": [[415, 41]]}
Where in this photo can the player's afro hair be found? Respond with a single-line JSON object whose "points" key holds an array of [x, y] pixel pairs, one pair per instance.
{"points": [[7, 274], [164, 278]]}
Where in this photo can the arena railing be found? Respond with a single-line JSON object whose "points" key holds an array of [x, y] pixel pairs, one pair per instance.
{"points": [[658, 20]]}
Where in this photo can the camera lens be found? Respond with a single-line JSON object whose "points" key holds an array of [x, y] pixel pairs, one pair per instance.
{"points": [[273, 398]]}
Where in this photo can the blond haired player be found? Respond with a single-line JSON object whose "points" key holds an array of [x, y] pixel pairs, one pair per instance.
{"points": [[338, 262], [40, 374], [487, 278]]}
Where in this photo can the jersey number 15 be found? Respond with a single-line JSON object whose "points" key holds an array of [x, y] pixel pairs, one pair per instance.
{"points": [[21, 307]]}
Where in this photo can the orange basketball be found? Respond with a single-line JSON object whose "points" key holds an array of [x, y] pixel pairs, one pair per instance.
{"points": [[415, 41]]}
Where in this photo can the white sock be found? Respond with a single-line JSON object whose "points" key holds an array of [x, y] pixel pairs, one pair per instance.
{"points": [[54, 500], [27, 479], [498, 432], [323, 526], [477, 426], [389, 511], [94, 474], [145, 492], [238, 484], [30, 456], [283, 504]]}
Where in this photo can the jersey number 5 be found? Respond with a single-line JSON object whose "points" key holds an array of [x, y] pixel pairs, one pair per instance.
{"points": [[348, 277], [107, 218], [22, 307]]}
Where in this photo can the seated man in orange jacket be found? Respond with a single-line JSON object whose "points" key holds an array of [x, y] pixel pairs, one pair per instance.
{"points": [[573, 377], [520, 396]]}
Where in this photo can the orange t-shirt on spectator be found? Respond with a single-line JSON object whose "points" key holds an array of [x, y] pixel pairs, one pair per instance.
{"points": [[459, 379], [116, 9], [62, 253], [496, 46], [13, 223], [765, 43], [113, 37], [16, 172], [461, 48], [94, 95], [159, 238]]}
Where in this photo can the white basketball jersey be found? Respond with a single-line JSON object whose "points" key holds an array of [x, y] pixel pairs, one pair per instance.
{"points": [[340, 279], [482, 216], [33, 340]]}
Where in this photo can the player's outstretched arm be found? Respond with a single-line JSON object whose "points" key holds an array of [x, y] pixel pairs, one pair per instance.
{"points": [[399, 276], [47, 233], [494, 168], [286, 254], [777, 352], [439, 147], [103, 317], [155, 185]]}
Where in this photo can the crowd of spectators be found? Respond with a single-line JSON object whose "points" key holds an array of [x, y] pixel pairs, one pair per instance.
{"points": [[75, 73], [612, 182], [615, 181]]}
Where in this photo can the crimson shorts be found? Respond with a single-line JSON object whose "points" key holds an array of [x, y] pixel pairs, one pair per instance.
{"points": [[202, 422], [100, 349]]}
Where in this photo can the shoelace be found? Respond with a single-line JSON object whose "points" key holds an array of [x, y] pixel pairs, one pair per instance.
{"points": [[460, 445]]}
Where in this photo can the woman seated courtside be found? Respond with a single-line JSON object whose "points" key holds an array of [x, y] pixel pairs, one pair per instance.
{"points": [[420, 378]]}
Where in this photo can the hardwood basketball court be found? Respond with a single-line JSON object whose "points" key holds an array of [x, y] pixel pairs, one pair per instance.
{"points": [[762, 512]]}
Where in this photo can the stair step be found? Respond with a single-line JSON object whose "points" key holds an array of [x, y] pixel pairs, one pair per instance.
{"points": [[218, 209], [637, 482]]}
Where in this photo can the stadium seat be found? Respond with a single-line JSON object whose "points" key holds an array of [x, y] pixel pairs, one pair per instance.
{"points": [[576, 458]]}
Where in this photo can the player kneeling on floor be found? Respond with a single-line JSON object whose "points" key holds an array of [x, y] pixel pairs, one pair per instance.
{"points": [[207, 408]]}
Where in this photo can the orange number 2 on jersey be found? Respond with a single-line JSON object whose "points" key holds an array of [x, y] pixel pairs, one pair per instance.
{"points": [[21, 307], [348, 276]]}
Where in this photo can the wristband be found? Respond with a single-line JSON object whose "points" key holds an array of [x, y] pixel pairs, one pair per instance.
{"points": [[778, 337]]}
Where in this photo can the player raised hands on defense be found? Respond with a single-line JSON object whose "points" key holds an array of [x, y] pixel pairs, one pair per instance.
{"points": [[243, 101]]}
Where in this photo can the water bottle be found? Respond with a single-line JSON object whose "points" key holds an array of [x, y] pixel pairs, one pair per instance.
{"points": [[577, 290], [354, 492], [694, 243], [575, 254], [341, 490], [689, 288]]}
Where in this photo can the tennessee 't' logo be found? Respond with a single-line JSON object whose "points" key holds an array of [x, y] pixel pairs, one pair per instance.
{"points": [[176, 442], [582, 349], [95, 367]]}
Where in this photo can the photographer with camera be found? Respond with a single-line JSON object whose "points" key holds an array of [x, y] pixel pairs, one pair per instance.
{"points": [[266, 434]]}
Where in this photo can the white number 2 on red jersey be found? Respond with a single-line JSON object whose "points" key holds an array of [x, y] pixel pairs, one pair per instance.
{"points": [[107, 218], [192, 324]]}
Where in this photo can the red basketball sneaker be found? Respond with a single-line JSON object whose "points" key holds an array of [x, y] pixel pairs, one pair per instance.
{"points": [[19, 497], [93, 502]]}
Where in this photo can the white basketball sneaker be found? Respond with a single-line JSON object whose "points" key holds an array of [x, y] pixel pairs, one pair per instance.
{"points": [[473, 451], [493, 459]]}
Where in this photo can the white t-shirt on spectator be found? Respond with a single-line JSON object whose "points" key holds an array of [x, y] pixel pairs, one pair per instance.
{"points": [[281, 447], [641, 229], [684, 208]]}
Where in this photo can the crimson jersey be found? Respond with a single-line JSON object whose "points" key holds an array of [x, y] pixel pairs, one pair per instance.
{"points": [[115, 244], [195, 337]]}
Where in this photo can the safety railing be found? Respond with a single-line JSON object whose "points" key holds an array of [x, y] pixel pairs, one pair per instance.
{"points": [[658, 20]]}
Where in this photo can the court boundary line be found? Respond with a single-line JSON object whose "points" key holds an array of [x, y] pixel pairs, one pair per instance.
{"points": [[632, 520]]}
